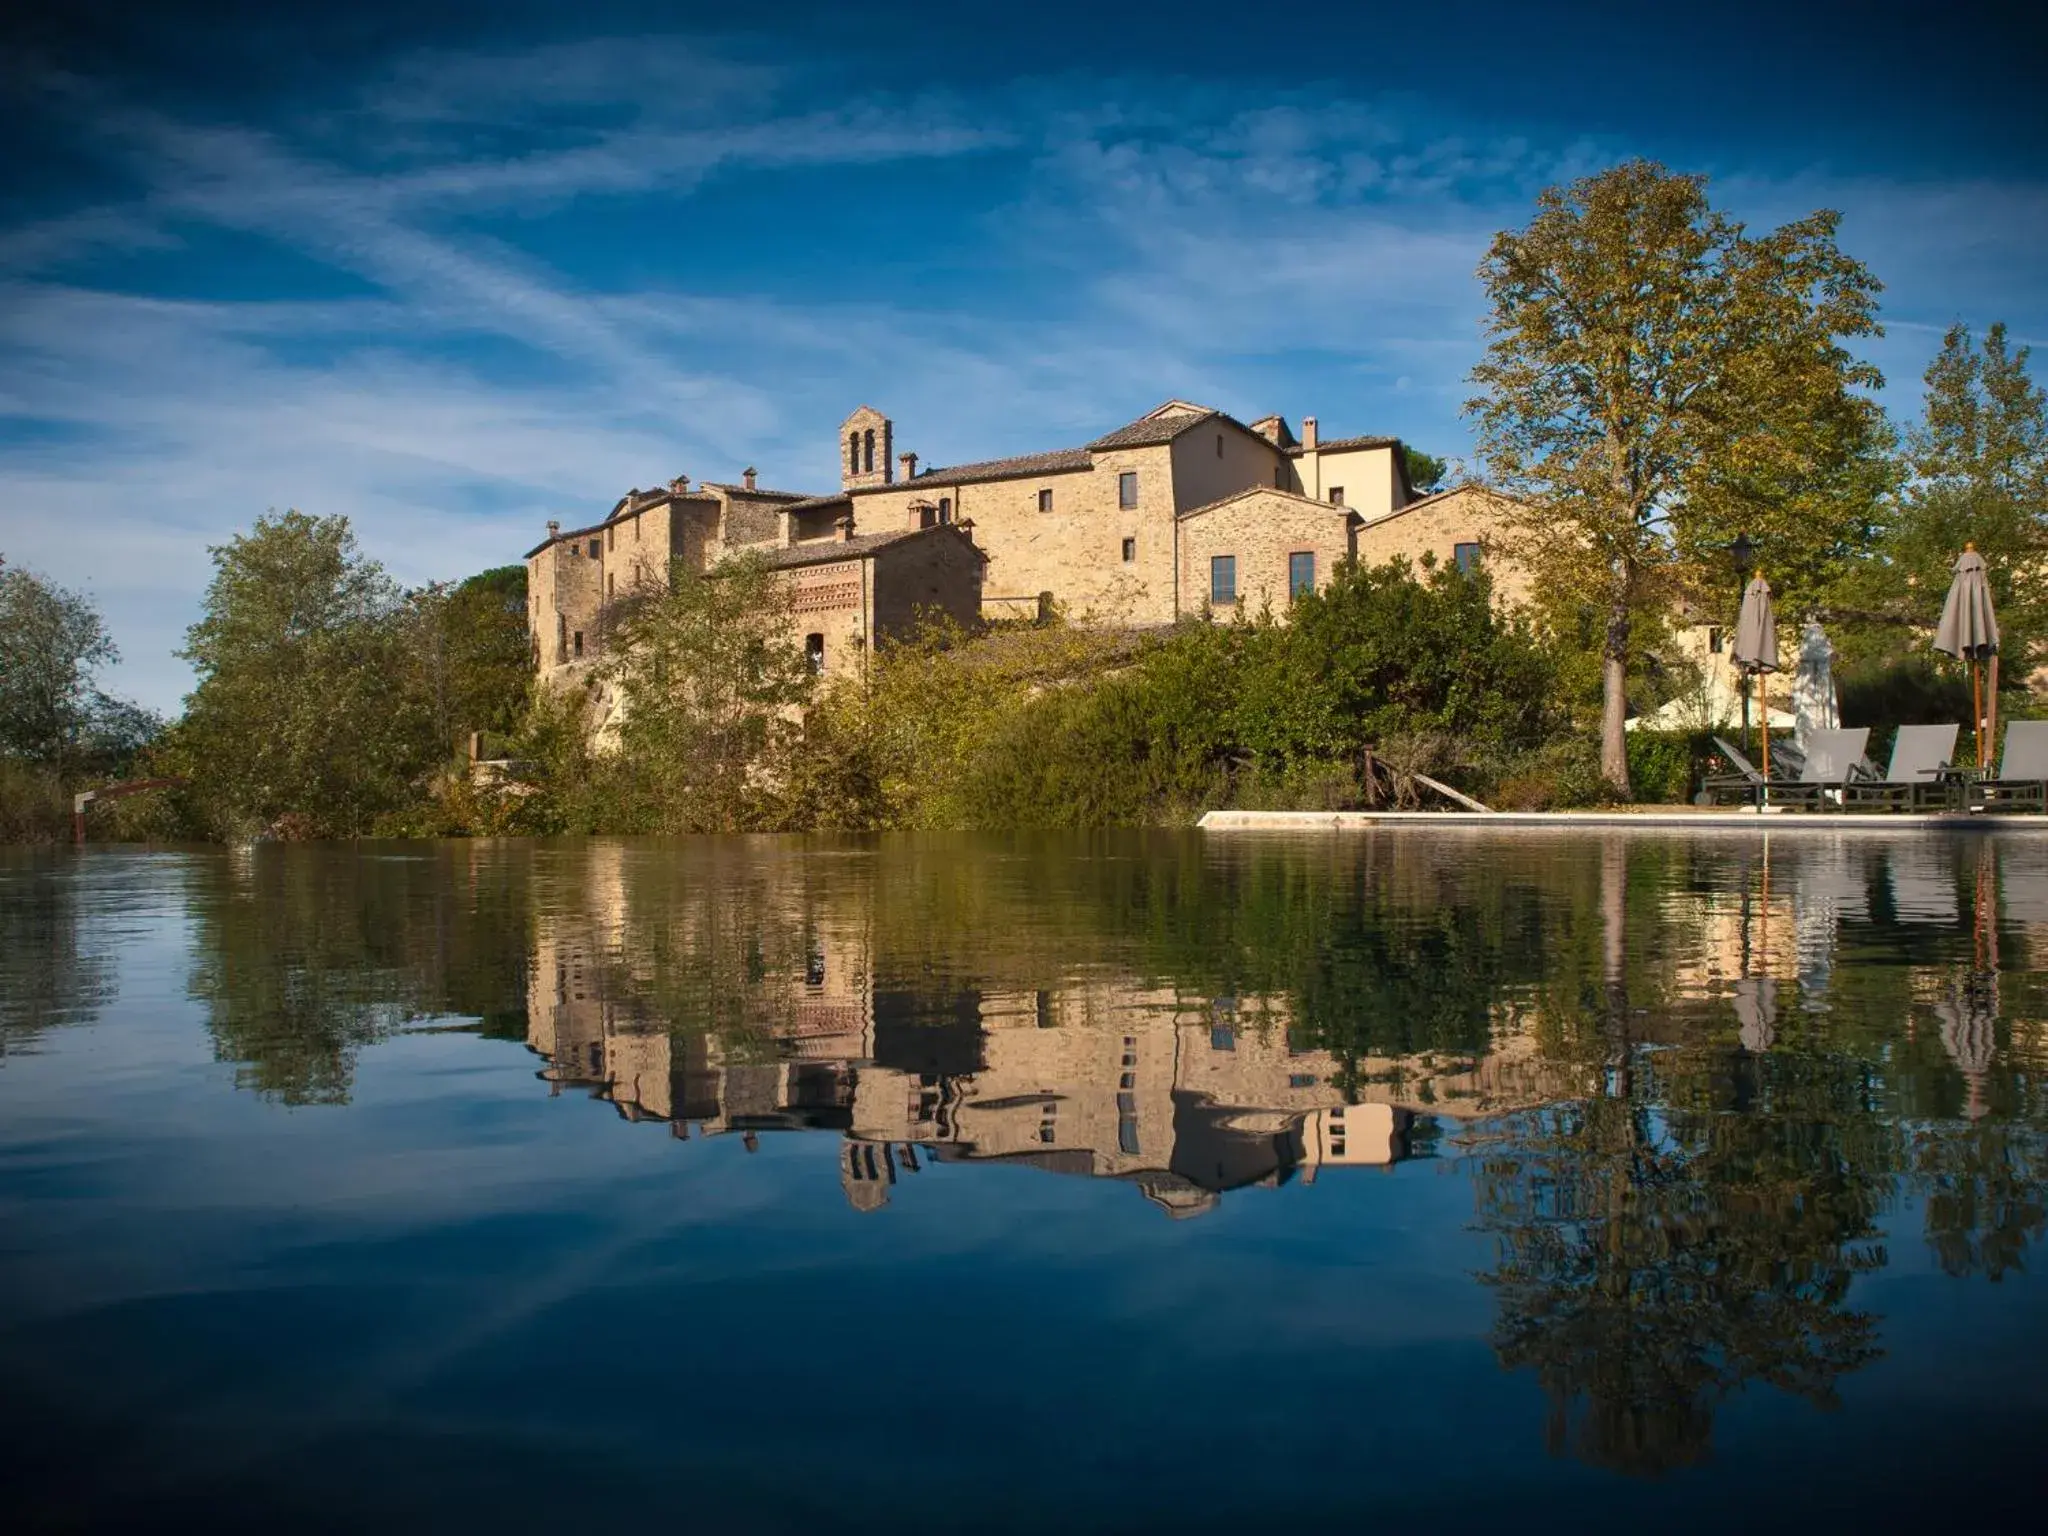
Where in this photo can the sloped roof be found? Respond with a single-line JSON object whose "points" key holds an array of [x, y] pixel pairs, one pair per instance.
{"points": [[1338, 443], [1058, 461], [1274, 491], [1149, 430], [812, 503], [741, 490], [859, 547], [1460, 489]]}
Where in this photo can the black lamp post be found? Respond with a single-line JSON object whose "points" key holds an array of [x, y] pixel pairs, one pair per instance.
{"points": [[1743, 554]]}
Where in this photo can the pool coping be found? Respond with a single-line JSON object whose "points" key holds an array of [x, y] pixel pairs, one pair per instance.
{"points": [[1738, 820]]}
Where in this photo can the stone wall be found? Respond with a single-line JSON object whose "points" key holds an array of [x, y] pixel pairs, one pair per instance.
{"points": [[1261, 530], [1075, 551], [1437, 525], [937, 573]]}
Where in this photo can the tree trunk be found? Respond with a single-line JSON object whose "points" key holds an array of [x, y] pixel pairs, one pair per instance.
{"points": [[1614, 699]]}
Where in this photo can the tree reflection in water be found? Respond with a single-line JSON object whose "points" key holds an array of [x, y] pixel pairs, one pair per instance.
{"points": [[1698, 1084]]}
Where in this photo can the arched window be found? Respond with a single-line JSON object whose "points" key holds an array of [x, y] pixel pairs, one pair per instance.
{"points": [[853, 453], [868, 451]]}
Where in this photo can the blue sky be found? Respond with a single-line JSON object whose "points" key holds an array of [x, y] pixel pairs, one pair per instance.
{"points": [[455, 270]]}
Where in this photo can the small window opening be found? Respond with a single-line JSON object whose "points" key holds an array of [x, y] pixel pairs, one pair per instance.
{"points": [[1223, 579], [1219, 445], [1465, 557], [1045, 500], [1714, 640], [814, 652], [867, 453], [1336, 495], [1130, 550], [1279, 477], [610, 586], [945, 509], [1301, 573], [636, 530], [577, 640], [1127, 488], [596, 550], [853, 453]]}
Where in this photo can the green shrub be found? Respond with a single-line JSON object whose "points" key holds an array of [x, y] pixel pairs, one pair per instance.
{"points": [[1664, 767]]}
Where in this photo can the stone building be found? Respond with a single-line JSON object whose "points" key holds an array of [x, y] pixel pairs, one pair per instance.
{"points": [[1099, 526], [846, 590], [1182, 512]]}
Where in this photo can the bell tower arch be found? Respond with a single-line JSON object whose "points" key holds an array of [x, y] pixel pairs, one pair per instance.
{"points": [[867, 449]]}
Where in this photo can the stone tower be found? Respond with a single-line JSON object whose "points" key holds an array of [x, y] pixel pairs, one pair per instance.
{"points": [[866, 449]]}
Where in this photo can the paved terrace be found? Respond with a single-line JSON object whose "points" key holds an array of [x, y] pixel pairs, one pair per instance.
{"points": [[1692, 820]]}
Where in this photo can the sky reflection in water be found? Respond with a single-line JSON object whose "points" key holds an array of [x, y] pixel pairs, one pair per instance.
{"points": [[1443, 1176]]}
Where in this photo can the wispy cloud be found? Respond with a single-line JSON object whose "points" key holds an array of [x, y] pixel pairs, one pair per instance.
{"points": [[1011, 270]]}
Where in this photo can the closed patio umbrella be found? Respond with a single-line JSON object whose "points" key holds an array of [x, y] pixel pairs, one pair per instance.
{"points": [[1969, 632], [1756, 645]]}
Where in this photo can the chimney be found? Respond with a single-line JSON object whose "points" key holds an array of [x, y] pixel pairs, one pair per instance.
{"points": [[842, 527], [923, 514], [680, 485], [554, 530], [909, 462], [1308, 433], [747, 477], [788, 529]]}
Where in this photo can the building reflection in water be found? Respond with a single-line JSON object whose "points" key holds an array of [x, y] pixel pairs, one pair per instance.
{"points": [[1188, 1096], [1183, 1099]]}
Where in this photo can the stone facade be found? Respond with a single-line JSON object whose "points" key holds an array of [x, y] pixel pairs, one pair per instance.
{"points": [[1122, 530], [1265, 541], [1096, 526], [847, 591], [1466, 523]]}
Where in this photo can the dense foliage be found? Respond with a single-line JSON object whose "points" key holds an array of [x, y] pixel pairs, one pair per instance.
{"points": [[59, 732], [1657, 378]]}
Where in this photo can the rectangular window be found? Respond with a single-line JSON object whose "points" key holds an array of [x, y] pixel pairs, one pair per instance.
{"points": [[1219, 445], [945, 509], [814, 652], [1223, 579], [1301, 573], [1045, 501], [636, 530], [1301, 1079], [1714, 640], [1279, 477], [596, 549], [1465, 557], [1336, 495], [578, 639], [1127, 488], [1222, 1037], [610, 587], [611, 538], [1130, 550]]}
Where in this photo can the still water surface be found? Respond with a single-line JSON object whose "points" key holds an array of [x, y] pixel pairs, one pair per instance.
{"points": [[1530, 1181]]}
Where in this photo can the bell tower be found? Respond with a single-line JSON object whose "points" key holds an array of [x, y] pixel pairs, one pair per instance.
{"points": [[866, 450]]}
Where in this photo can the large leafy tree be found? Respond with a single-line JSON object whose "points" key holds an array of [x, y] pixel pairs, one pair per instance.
{"points": [[474, 651], [53, 644], [308, 714], [1657, 377], [1975, 470], [707, 686]]}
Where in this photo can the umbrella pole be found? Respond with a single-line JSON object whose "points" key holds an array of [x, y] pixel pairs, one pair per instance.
{"points": [[1977, 706], [1991, 709], [1764, 726]]}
